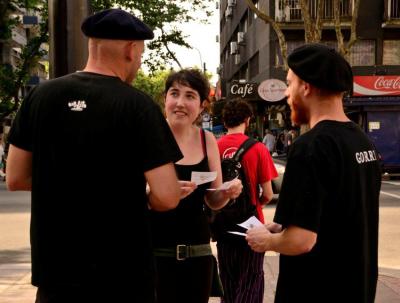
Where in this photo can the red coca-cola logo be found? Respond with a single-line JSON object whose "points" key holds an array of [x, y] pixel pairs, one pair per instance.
{"points": [[387, 83]]}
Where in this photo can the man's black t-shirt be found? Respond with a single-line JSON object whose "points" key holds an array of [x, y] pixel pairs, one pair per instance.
{"points": [[331, 186], [92, 137]]}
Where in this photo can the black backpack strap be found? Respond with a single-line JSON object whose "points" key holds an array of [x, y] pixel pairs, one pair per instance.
{"points": [[243, 148]]}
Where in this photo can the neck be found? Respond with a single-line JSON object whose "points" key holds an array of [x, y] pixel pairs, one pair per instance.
{"points": [[328, 108], [240, 129], [182, 132], [104, 68]]}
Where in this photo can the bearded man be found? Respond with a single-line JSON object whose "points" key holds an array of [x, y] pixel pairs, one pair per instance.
{"points": [[329, 202]]}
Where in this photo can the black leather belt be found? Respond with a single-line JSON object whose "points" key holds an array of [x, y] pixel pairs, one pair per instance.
{"points": [[182, 252]]}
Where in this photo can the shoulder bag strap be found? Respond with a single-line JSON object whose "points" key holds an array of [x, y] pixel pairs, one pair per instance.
{"points": [[243, 148]]}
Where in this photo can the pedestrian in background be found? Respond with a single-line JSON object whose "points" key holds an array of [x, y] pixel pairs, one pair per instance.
{"points": [[241, 269], [2, 174], [329, 201], [90, 234], [182, 236], [280, 144], [269, 140]]}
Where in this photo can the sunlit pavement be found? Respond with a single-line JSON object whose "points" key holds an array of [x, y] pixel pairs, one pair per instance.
{"points": [[15, 272]]}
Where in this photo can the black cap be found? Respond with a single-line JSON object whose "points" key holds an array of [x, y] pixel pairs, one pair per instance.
{"points": [[322, 67], [116, 24]]}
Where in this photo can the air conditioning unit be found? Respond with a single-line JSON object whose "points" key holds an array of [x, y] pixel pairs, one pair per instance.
{"points": [[228, 12], [231, 3], [217, 5], [234, 48], [240, 38], [217, 38], [237, 59]]}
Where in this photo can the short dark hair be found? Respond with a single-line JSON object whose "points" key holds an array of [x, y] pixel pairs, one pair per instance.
{"points": [[190, 77], [235, 112]]}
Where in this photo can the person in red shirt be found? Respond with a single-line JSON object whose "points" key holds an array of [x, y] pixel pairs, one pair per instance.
{"points": [[241, 269]]}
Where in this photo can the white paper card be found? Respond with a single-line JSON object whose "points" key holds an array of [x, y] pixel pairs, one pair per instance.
{"points": [[237, 233], [201, 177], [251, 223], [224, 186]]}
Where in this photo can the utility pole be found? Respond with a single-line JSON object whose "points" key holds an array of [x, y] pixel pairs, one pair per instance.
{"points": [[68, 46]]}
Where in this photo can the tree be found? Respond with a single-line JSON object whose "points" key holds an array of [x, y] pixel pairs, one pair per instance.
{"points": [[163, 16], [153, 84], [12, 80], [313, 26]]}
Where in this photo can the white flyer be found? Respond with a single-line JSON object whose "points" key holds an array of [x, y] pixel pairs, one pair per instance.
{"points": [[237, 233], [223, 186], [201, 177], [251, 223]]}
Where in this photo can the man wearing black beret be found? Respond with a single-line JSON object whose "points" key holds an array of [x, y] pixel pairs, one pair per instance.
{"points": [[329, 201], [90, 232]]}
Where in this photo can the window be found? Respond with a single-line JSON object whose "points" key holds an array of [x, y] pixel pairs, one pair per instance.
{"points": [[291, 45], [243, 23], [363, 53], [391, 52], [244, 72], [254, 66]]}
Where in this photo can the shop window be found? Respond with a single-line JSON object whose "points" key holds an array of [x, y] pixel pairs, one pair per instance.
{"points": [[363, 53], [391, 52]]}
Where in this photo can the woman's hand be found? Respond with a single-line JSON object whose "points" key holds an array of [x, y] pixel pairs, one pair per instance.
{"points": [[187, 188], [234, 189]]}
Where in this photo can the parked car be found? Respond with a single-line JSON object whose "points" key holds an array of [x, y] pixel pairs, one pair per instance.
{"points": [[280, 165]]}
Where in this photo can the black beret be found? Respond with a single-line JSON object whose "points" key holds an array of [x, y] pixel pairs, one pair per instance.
{"points": [[116, 24], [322, 67]]}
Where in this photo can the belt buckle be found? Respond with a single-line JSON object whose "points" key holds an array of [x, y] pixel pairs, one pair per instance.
{"points": [[181, 252]]}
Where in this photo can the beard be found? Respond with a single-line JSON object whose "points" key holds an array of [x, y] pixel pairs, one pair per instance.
{"points": [[299, 113]]}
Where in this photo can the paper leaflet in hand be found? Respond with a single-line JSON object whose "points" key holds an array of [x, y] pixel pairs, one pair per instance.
{"points": [[248, 224], [223, 186], [201, 177]]}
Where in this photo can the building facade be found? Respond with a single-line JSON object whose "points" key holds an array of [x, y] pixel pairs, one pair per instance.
{"points": [[250, 55]]}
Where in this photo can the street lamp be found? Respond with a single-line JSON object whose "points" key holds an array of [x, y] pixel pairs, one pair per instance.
{"points": [[203, 65]]}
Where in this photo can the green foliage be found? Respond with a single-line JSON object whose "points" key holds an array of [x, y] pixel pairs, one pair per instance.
{"points": [[152, 84], [12, 80], [164, 16]]}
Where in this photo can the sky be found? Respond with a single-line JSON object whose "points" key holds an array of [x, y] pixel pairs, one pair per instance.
{"points": [[202, 37]]}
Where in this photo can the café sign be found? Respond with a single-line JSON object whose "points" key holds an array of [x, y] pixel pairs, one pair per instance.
{"points": [[244, 90], [272, 90], [376, 85]]}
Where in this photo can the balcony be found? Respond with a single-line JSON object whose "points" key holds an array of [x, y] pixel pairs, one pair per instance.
{"points": [[289, 11], [392, 14], [393, 10]]}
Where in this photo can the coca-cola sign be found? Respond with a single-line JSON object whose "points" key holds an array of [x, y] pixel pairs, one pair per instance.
{"points": [[376, 85]]}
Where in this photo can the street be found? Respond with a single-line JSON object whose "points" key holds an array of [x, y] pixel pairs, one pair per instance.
{"points": [[15, 250]]}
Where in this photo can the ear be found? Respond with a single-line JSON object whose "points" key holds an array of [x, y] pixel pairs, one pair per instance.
{"points": [[307, 89], [129, 50], [247, 121]]}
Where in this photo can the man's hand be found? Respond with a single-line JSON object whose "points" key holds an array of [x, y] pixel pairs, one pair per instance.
{"points": [[259, 239]]}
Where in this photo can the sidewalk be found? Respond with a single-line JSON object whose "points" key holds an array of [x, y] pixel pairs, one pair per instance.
{"points": [[15, 284]]}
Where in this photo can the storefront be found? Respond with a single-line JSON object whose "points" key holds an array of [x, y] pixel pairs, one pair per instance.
{"points": [[269, 105], [375, 106]]}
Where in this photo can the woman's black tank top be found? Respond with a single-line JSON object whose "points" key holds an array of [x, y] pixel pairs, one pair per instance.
{"points": [[187, 223]]}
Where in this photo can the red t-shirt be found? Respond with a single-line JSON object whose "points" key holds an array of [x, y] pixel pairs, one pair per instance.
{"points": [[257, 163]]}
